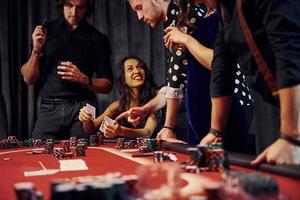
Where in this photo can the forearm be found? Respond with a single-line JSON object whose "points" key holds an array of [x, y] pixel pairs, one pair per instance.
{"points": [[158, 102], [31, 69], [101, 85], [89, 126], [220, 112], [135, 132], [290, 110], [202, 54], [173, 106]]}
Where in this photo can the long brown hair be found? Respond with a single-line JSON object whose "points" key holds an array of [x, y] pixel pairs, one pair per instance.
{"points": [[147, 91]]}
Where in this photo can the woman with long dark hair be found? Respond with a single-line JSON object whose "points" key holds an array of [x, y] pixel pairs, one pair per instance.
{"points": [[136, 87]]}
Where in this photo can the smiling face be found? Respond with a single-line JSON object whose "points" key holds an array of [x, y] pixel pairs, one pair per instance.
{"points": [[134, 73], [148, 11], [74, 11]]}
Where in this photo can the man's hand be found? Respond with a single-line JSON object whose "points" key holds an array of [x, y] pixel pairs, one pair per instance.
{"points": [[70, 72], [85, 115], [280, 152], [207, 140], [168, 135], [111, 131], [39, 38], [134, 115]]}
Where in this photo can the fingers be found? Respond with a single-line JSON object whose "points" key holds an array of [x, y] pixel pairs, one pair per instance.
{"points": [[69, 71], [168, 29], [122, 115], [260, 158], [85, 115], [134, 121], [173, 140]]}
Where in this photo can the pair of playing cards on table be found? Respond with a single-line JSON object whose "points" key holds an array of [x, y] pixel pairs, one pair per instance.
{"points": [[106, 120]]}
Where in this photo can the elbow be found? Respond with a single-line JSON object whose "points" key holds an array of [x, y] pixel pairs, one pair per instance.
{"points": [[105, 88], [29, 81], [148, 132]]}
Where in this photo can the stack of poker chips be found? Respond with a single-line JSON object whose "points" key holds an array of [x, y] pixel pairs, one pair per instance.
{"points": [[93, 140], [11, 142], [100, 138], [120, 143], [254, 184], [140, 142], [151, 144], [73, 141], [36, 142], [25, 190], [160, 156], [11, 138], [206, 158], [131, 144], [66, 145], [49, 145], [28, 143], [83, 141], [59, 152], [215, 159], [2, 146], [80, 149], [112, 186]]}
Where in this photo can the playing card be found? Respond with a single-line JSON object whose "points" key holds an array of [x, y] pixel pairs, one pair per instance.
{"points": [[92, 110], [105, 121]]}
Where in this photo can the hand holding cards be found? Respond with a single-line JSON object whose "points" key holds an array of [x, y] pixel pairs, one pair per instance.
{"points": [[91, 109], [106, 121]]}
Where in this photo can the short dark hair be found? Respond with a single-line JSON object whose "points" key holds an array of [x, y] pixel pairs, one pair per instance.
{"points": [[89, 6]]}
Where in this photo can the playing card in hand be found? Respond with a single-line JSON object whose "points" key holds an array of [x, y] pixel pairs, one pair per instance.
{"points": [[106, 121], [92, 110]]}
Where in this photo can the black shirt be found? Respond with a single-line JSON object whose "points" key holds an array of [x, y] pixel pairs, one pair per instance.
{"points": [[275, 26], [85, 47]]}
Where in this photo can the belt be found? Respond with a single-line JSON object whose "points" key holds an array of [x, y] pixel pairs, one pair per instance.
{"points": [[53, 101], [60, 101]]}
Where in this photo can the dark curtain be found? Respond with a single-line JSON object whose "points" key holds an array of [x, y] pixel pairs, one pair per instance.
{"points": [[18, 19]]}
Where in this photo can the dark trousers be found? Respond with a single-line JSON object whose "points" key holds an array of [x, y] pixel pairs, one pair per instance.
{"points": [[58, 118]]}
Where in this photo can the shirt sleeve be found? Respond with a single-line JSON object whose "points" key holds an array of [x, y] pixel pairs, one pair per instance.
{"points": [[222, 75], [102, 58], [282, 24]]}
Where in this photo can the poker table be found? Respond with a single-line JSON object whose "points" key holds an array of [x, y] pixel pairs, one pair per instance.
{"points": [[106, 158]]}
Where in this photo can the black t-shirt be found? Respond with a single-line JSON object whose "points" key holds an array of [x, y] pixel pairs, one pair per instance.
{"points": [[275, 26], [85, 47]]}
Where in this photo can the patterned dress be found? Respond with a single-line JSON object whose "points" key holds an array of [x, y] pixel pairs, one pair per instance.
{"points": [[187, 73]]}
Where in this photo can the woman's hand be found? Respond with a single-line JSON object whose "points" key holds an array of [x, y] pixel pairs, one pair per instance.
{"points": [[111, 131], [174, 36]]}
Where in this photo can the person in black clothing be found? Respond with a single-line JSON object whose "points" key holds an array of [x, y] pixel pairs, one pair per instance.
{"points": [[67, 53], [275, 27]]}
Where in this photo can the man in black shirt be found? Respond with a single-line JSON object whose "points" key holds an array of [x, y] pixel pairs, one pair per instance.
{"points": [[275, 27], [66, 54]]}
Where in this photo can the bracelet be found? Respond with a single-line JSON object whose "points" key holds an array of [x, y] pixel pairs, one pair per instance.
{"points": [[215, 132], [36, 53], [292, 140], [168, 127]]}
